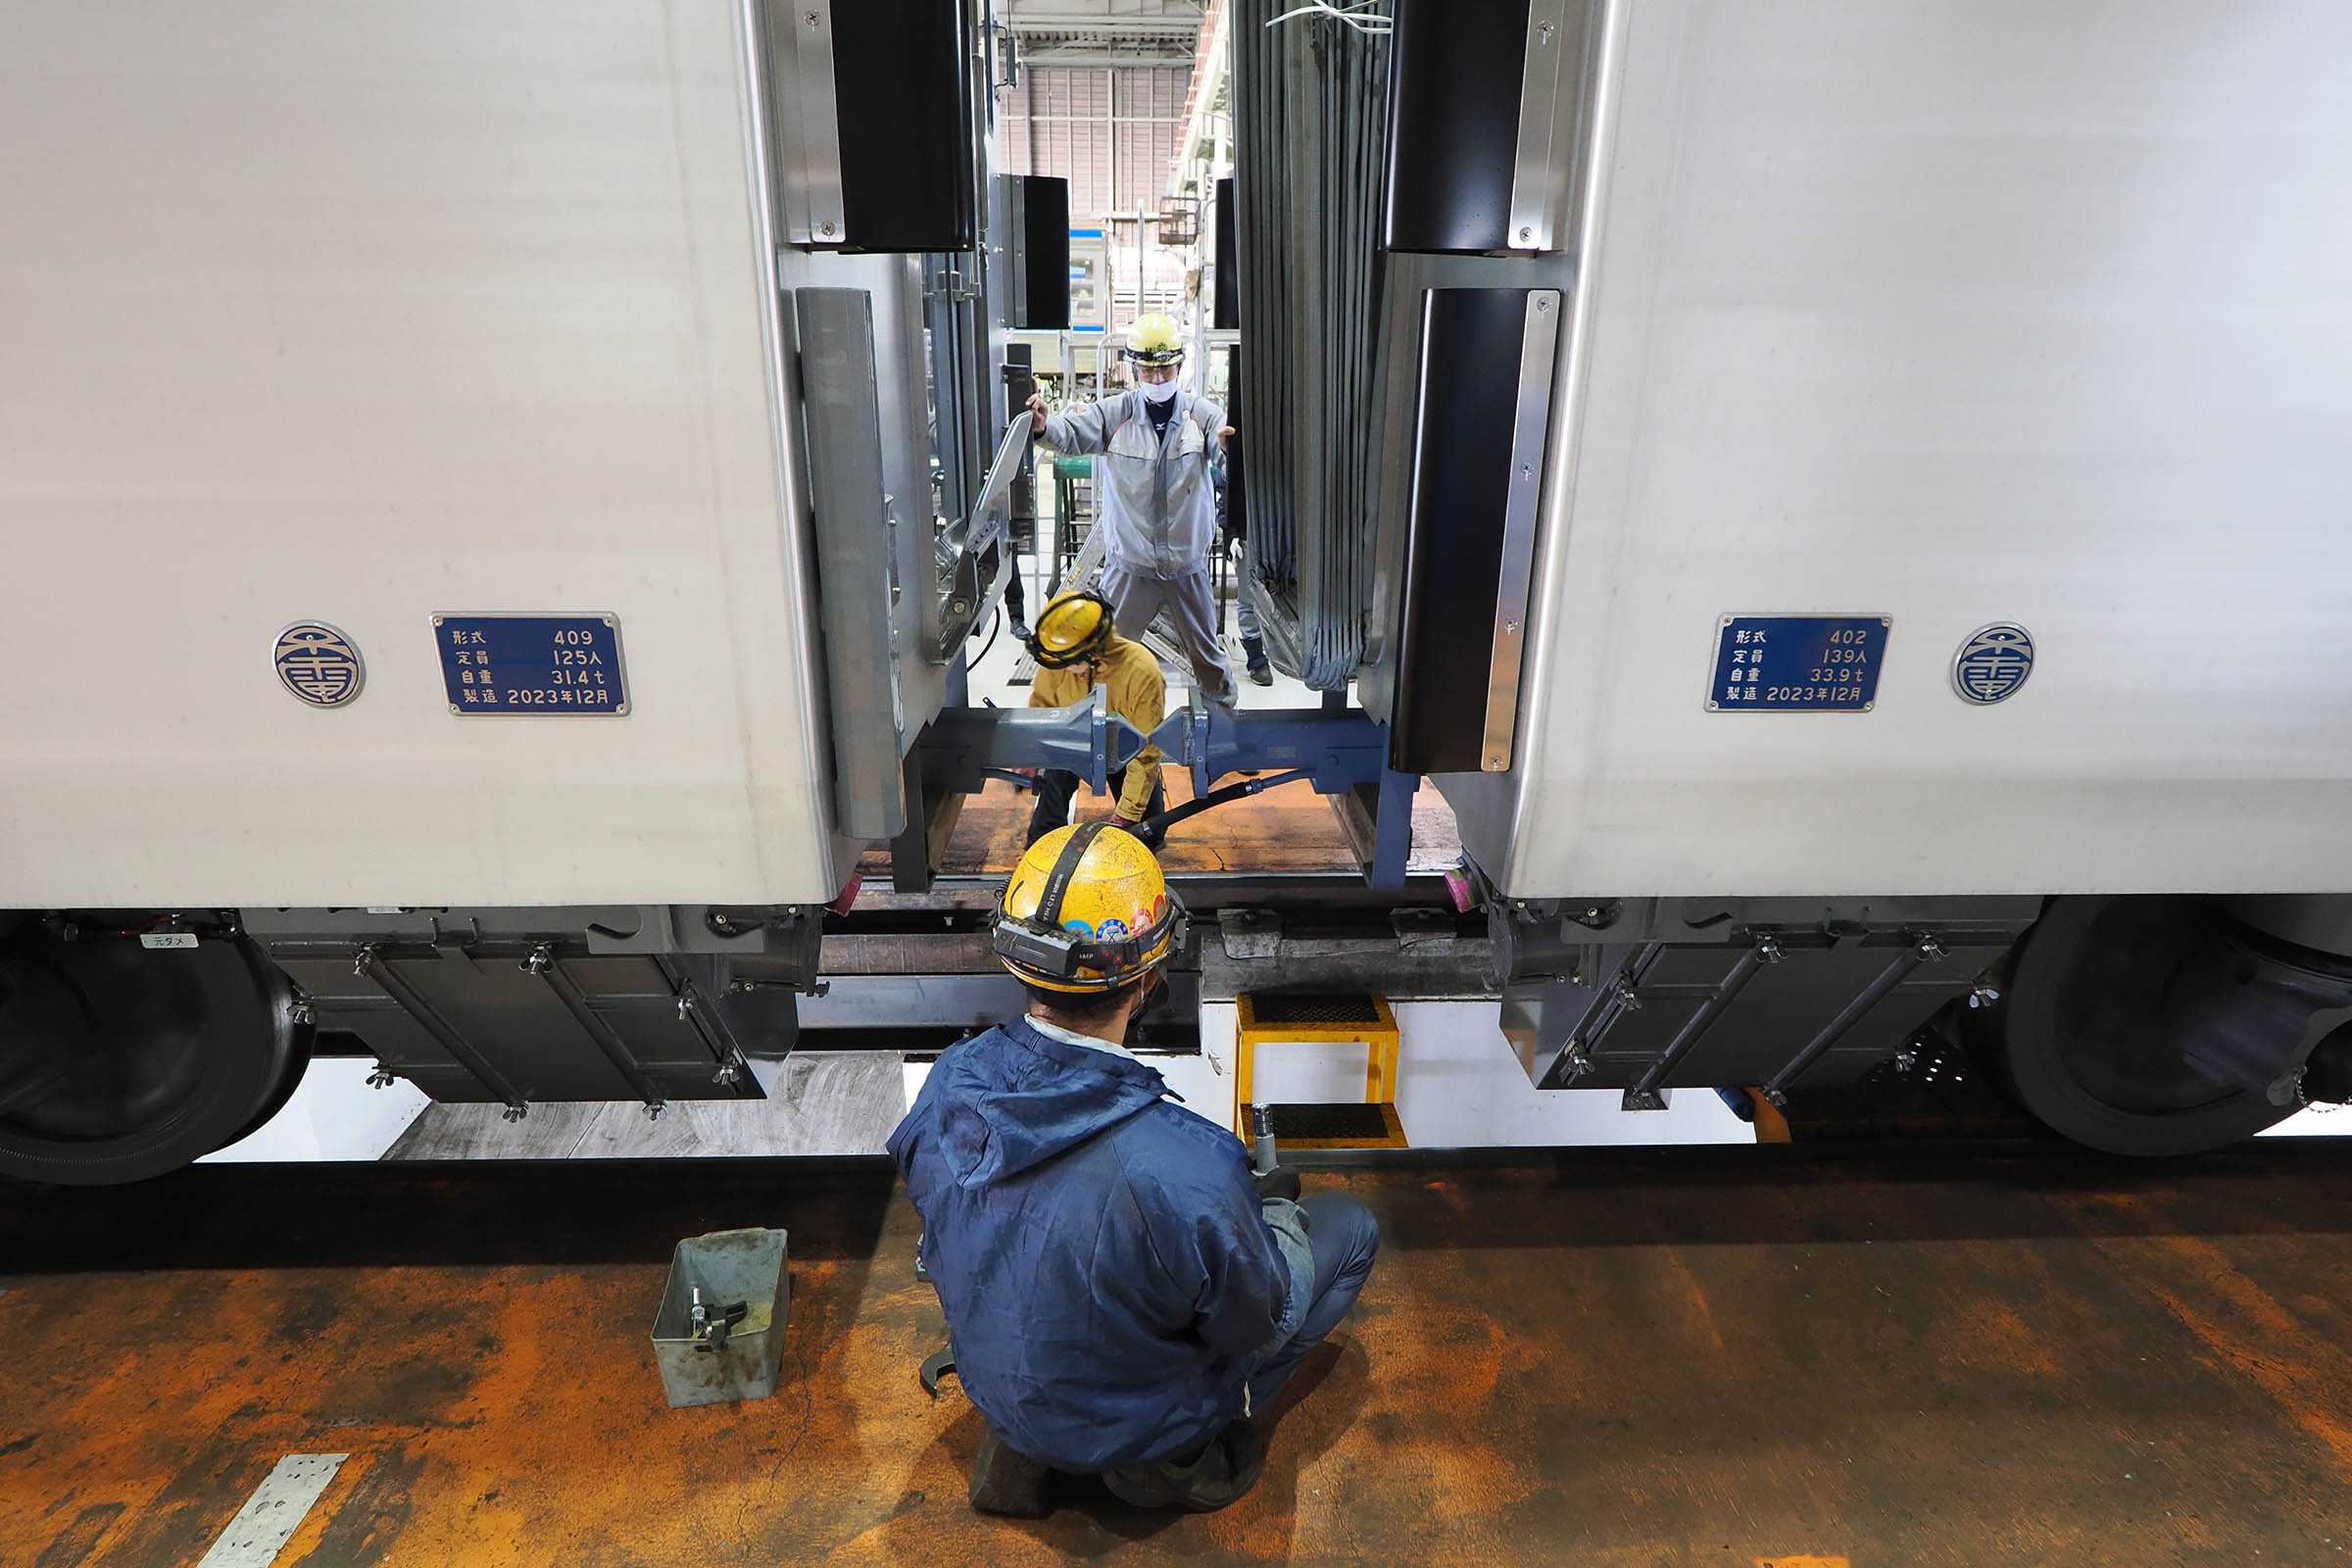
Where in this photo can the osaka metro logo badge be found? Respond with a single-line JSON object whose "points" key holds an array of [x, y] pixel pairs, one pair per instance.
{"points": [[1993, 662], [319, 663]]}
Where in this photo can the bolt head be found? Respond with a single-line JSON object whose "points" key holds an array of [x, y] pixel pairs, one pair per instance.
{"points": [[1528, 234], [810, 17]]}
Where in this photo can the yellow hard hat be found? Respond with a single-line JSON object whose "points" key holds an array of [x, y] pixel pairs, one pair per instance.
{"points": [[1086, 910], [1154, 339], [1074, 626]]}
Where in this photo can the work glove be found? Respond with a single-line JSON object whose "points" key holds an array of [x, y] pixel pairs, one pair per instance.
{"points": [[1151, 838], [1280, 1181]]}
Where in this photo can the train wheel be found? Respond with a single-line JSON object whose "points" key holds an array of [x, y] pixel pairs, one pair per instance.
{"points": [[119, 1063], [298, 1055], [2118, 1018]]}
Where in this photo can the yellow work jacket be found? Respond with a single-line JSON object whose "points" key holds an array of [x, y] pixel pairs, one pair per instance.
{"points": [[1138, 694]]}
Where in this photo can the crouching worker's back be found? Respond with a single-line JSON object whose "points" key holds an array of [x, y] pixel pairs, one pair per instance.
{"points": [[1121, 1289]]}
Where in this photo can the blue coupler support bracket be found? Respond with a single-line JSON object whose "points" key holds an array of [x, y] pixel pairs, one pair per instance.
{"points": [[1341, 749], [1344, 750], [1391, 831], [1085, 738]]}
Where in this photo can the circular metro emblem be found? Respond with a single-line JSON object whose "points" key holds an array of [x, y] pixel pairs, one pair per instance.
{"points": [[1993, 662], [319, 663]]}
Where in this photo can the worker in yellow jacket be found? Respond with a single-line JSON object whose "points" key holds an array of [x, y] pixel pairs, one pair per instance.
{"points": [[1077, 647]]}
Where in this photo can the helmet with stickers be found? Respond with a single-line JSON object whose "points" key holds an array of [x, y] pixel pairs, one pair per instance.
{"points": [[1087, 909]]}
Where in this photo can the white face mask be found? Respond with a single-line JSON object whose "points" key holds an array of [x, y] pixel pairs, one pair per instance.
{"points": [[1164, 392]]}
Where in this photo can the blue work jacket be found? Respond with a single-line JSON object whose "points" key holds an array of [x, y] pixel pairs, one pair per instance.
{"points": [[1108, 1271]]}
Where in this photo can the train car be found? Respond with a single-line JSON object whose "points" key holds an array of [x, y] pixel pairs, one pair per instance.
{"points": [[1843, 504]]}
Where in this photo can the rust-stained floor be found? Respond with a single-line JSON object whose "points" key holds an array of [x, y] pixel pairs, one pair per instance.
{"points": [[1722, 1356]]}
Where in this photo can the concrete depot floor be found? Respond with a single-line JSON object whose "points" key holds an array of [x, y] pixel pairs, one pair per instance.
{"points": [[2014, 1354]]}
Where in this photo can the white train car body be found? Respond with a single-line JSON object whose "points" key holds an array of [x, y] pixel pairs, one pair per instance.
{"points": [[1950, 315], [365, 318]]}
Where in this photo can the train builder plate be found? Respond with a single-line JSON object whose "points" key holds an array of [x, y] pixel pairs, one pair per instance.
{"points": [[1797, 663], [562, 666]]}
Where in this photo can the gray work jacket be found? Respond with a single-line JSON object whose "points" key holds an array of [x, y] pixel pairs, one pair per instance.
{"points": [[1152, 495]]}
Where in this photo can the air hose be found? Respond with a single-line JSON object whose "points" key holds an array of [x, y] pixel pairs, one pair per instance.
{"points": [[1174, 815]]}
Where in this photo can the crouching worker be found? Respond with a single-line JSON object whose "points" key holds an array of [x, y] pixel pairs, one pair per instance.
{"points": [[1121, 1291], [1077, 648]]}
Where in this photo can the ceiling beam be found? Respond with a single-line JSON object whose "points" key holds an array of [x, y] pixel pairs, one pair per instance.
{"points": [[1184, 24]]}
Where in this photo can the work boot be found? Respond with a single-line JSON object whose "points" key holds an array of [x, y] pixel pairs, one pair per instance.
{"points": [[1004, 1482], [1203, 1482], [1253, 652]]}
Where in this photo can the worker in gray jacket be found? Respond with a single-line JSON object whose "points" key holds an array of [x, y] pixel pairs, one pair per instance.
{"points": [[1152, 497]]}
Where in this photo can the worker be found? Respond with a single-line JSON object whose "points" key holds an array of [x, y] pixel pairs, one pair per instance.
{"points": [[1078, 648], [1121, 1291], [1157, 443]]}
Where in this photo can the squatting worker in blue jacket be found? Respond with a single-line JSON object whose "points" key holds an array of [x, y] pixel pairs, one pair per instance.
{"points": [[1121, 1291], [1153, 496]]}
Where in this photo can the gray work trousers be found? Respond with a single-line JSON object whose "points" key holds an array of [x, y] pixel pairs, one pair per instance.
{"points": [[1192, 607], [1245, 607]]}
